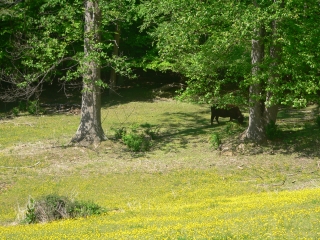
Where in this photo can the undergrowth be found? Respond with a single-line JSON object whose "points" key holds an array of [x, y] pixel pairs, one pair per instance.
{"points": [[137, 138], [215, 140], [272, 131], [54, 207]]}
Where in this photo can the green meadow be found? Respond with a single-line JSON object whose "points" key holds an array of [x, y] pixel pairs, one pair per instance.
{"points": [[182, 188]]}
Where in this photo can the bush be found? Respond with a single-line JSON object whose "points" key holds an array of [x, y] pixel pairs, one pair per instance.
{"points": [[22, 106], [215, 140], [136, 142], [272, 131], [15, 111], [83, 209], [119, 132], [137, 139], [33, 107], [55, 207]]}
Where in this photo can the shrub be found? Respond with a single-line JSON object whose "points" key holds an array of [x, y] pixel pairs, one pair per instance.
{"points": [[137, 138], [33, 107], [119, 132], [54, 207], [83, 209], [215, 140], [232, 128], [22, 106], [15, 111], [272, 131], [30, 213], [136, 142]]}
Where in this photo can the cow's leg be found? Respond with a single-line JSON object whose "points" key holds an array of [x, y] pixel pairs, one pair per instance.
{"points": [[217, 119], [212, 117]]}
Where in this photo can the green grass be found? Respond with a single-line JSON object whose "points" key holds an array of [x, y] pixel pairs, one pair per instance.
{"points": [[181, 189]]}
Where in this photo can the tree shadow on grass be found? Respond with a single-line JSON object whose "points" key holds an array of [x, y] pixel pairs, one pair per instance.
{"points": [[298, 131], [190, 127], [305, 141]]}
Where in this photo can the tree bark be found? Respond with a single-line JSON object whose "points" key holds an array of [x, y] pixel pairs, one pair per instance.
{"points": [[90, 130], [256, 129]]}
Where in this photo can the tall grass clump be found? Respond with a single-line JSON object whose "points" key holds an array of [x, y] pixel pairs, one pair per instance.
{"points": [[32, 107], [136, 142], [135, 138], [215, 140], [54, 207]]}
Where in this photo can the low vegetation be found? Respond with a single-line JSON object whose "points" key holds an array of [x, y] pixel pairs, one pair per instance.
{"points": [[54, 207], [181, 188]]}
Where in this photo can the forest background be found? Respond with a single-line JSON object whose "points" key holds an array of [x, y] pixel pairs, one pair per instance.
{"points": [[259, 54]]}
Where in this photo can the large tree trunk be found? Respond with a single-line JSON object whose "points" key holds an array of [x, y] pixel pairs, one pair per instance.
{"points": [[90, 129], [113, 74], [256, 129]]}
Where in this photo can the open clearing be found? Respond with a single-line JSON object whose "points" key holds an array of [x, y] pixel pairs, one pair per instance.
{"points": [[181, 189]]}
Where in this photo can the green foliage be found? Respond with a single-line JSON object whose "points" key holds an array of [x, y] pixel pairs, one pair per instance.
{"points": [[15, 111], [33, 107], [208, 43], [136, 142], [30, 213], [22, 106], [215, 140], [272, 131], [232, 128], [84, 209], [119, 132], [137, 138], [54, 207], [44, 41], [318, 120]]}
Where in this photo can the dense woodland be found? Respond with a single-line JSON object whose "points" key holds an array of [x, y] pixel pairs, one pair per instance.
{"points": [[259, 54]]}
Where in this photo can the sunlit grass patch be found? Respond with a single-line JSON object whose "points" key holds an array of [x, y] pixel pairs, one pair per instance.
{"points": [[204, 206], [30, 129], [181, 189]]}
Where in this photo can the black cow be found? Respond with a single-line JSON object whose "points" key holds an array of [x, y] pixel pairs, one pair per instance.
{"points": [[231, 111]]}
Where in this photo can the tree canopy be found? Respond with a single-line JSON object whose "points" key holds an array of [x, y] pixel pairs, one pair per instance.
{"points": [[258, 53]]}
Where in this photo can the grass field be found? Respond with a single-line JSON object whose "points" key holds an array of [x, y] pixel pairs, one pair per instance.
{"points": [[181, 189]]}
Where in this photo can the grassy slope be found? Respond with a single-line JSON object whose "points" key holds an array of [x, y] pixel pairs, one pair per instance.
{"points": [[182, 189]]}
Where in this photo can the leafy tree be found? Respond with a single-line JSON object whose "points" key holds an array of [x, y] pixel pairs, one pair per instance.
{"points": [[67, 40], [260, 53], [90, 129], [98, 15], [45, 35]]}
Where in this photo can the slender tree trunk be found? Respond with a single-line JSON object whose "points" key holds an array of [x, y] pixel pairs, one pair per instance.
{"points": [[256, 129], [275, 50], [113, 74], [90, 129]]}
